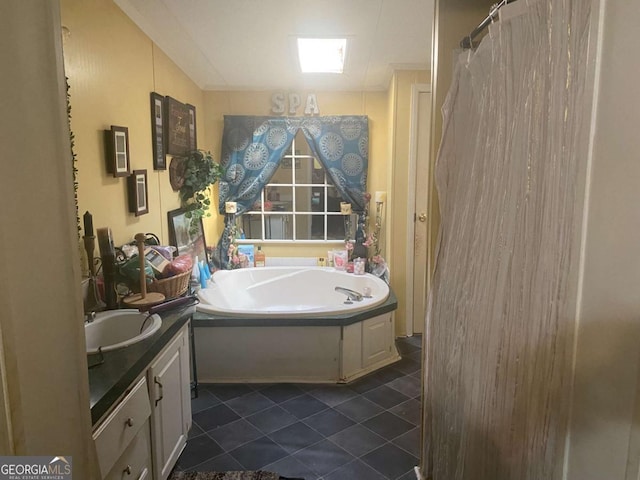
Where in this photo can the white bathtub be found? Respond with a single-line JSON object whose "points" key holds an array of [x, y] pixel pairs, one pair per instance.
{"points": [[288, 292], [289, 324]]}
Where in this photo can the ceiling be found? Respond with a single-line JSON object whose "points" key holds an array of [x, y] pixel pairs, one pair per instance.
{"points": [[249, 44]]}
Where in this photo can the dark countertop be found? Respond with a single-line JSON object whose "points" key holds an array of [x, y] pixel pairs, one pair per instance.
{"points": [[201, 319], [109, 380]]}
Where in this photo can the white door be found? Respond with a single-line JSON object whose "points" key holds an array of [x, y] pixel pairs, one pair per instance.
{"points": [[417, 260]]}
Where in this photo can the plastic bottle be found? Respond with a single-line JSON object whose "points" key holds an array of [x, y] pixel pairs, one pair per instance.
{"points": [[260, 258]]}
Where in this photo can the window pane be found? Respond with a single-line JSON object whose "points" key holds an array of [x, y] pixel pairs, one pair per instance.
{"points": [[280, 199], [304, 227], [304, 170], [283, 173], [335, 227], [333, 200], [305, 199], [317, 174], [252, 226], [278, 227]]}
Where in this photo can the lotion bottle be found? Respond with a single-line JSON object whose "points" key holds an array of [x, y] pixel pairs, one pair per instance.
{"points": [[260, 259]]}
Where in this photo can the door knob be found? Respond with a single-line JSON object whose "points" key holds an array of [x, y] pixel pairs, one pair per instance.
{"points": [[422, 217]]}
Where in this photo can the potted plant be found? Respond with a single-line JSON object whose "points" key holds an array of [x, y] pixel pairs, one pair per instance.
{"points": [[200, 172]]}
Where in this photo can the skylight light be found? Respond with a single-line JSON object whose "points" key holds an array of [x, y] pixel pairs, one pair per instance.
{"points": [[322, 55]]}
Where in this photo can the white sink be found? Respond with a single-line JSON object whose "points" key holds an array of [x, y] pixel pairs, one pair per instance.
{"points": [[116, 329]]}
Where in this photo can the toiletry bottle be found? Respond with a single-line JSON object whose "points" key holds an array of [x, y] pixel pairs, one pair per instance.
{"points": [[260, 258]]}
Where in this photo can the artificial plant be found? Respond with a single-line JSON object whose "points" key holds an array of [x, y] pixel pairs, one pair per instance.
{"points": [[201, 171]]}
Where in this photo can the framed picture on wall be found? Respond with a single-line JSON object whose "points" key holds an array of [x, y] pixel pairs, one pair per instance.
{"points": [[137, 192], [193, 140], [176, 127], [157, 131], [187, 234], [117, 149]]}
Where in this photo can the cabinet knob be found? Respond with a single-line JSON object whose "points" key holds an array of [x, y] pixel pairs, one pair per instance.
{"points": [[127, 470], [129, 422]]}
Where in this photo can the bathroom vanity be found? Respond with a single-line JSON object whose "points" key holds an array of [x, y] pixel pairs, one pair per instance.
{"points": [[141, 402]]}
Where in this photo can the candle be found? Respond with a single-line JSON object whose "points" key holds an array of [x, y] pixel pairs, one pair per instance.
{"points": [[88, 224], [381, 197], [230, 207], [345, 208]]}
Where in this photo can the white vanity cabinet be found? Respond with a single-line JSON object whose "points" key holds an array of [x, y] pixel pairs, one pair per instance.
{"points": [[144, 433], [169, 391]]}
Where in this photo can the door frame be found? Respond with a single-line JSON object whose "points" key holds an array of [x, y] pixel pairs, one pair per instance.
{"points": [[416, 89]]}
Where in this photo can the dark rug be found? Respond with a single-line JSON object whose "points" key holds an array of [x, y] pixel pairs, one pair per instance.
{"points": [[259, 475]]}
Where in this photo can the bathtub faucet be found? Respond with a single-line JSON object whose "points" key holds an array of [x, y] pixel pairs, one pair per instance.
{"points": [[351, 294]]}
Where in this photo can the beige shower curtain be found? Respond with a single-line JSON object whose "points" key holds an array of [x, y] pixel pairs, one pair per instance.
{"points": [[510, 177]]}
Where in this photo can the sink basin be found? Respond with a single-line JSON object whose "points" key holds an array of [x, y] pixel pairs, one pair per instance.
{"points": [[119, 328]]}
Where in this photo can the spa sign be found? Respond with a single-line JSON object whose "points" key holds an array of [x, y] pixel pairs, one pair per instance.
{"points": [[291, 102]]}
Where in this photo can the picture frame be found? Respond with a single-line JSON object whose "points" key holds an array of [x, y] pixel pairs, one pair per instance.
{"points": [[117, 151], [187, 234], [138, 192], [157, 131], [193, 136], [176, 127]]}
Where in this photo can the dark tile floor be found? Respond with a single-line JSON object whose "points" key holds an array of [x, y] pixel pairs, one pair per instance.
{"points": [[367, 430]]}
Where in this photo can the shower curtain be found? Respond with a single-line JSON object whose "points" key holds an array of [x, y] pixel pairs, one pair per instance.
{"points": [[510, 176]]}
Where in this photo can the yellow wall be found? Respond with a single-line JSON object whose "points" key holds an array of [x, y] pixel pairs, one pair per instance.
{"points": [[112, 67]]}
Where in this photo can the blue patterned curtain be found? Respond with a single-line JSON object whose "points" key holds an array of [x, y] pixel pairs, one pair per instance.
{"points": [[252, 148]]}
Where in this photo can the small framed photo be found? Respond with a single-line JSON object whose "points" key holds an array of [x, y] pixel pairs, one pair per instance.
{"points": [[193, 140], [176, 127], [117, 143], [137, 192], [187, 234], [157, 131]]}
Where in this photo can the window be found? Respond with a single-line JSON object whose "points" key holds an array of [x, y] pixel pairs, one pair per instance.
{"points": [[299, 204]]}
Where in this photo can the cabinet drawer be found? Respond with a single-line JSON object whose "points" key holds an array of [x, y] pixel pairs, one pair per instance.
{"points": [[114, 435], [135, 462]]}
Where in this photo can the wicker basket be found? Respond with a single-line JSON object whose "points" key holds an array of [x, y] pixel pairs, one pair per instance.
{"points": [[171, 287]]}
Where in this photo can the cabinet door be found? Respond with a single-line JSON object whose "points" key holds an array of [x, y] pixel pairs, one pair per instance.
{"points": [[377, 339], [168, 378]]}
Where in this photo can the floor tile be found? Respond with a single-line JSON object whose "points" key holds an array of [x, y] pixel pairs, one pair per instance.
{"points": [[387, 425], [291, 468], [214, 417], [385, 397], [415, 340], [235, 434], [304, 406], [255, 455], [407, 365], [323, 457], [355, 470], [281, 392], [407, 385], [410, 475], [249, 404], [227, 391], [417, 356], [390, 460], [365, 384], [417, 374], [409, 411], [405, 348], [204, 400], [359, 409], [271, 419], [328, 422], [388, 374], [333, 395], [410, 442], [357, 440], [198, 450], [194, 431], [295, 437], [221, 463]]}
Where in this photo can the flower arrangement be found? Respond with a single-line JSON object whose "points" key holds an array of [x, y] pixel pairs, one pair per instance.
{"points": [[236, 259], [368, 241]]}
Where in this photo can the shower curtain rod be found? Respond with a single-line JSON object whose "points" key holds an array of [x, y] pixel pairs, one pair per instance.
{"points": [[467, 42]]}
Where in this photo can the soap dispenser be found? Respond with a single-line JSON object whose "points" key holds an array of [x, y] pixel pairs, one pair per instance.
{"points": [[260, 258]]}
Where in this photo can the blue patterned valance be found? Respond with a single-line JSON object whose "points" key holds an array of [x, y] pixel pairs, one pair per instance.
{"points": [[252, 148]]}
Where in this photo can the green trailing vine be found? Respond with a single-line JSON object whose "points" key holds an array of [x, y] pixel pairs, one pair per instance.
{"points": [[201, 171], [74, 159]]}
